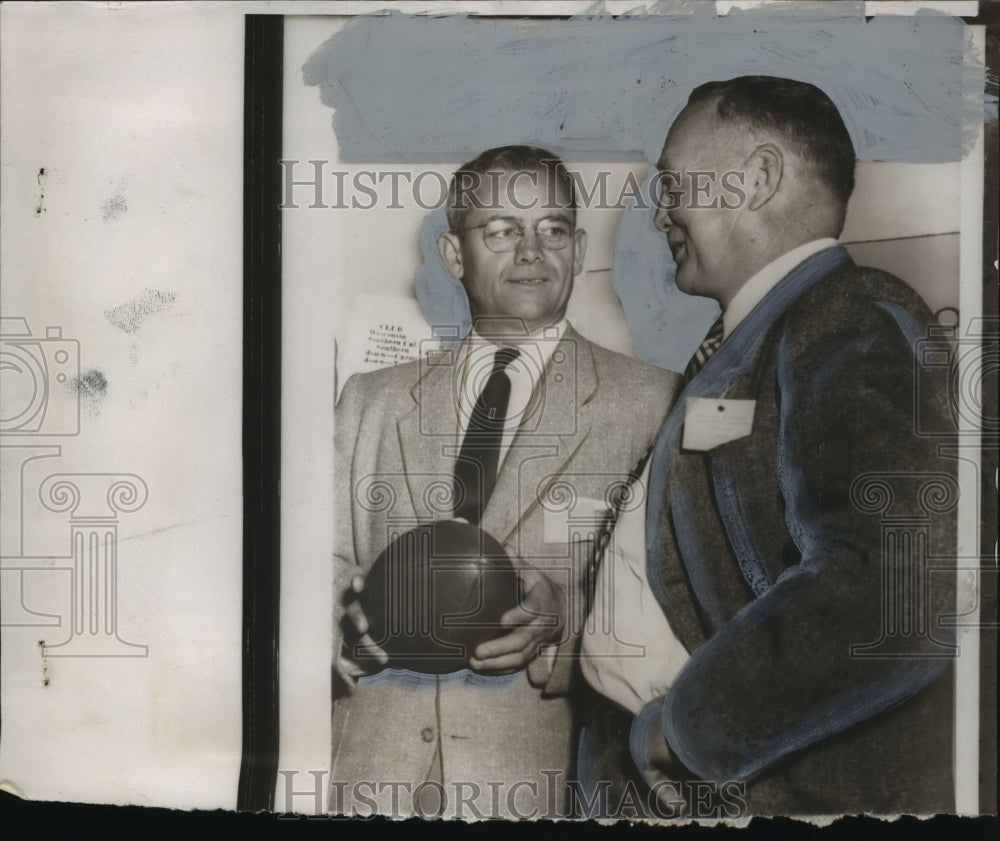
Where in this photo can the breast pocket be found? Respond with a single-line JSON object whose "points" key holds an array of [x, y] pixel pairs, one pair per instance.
{"points": [[711, 422]]}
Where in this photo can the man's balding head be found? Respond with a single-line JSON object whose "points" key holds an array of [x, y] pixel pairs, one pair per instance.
{"points": [[797, 111], [751, 168]]}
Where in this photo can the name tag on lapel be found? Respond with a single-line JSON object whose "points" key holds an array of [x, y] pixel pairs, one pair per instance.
{"points": [[585, 513], [709, 422]]}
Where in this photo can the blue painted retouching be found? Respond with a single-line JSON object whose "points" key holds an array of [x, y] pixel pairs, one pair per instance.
{"points": [[424, 89], [431, 89]]}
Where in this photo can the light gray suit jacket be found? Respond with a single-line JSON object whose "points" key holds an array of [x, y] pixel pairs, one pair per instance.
{"points": [[594, 415]]}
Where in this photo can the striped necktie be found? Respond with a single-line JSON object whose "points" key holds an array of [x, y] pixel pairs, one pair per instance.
{"points": [[709, 346]]}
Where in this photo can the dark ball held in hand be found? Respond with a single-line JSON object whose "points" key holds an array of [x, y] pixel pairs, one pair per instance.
{"points": [[436, 593]]}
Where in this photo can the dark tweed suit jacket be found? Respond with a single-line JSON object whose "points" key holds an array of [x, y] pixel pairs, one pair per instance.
{"points": [[805, 564]]}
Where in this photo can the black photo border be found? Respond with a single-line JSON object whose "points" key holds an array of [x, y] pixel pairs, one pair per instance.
{"points": [[261, 409]]}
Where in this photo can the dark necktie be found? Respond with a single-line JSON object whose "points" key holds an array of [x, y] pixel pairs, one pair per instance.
{"points": [[479, 458], [709, 346]]}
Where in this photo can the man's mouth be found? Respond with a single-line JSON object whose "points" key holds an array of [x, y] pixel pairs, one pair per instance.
{"points": [[527, 281], [678, 250]]}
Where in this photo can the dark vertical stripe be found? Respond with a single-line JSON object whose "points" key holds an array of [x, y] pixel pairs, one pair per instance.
{"points": [[989, 14], [261, 408]]}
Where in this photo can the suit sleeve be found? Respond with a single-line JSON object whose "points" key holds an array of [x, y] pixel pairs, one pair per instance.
{"points": [[347, 424], [792, 667]]}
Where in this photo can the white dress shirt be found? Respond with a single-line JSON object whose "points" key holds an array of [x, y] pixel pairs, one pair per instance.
{"points": [[629, 651], [753, 291], [524, 373]]}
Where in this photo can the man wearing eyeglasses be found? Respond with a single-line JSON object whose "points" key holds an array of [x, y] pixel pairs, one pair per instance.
{"points": [[495, 737]]}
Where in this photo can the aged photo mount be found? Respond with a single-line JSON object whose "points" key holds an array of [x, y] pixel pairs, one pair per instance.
{"points": [[224, 212]]}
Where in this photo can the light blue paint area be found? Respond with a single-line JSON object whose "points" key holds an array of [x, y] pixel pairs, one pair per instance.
{"points": [[667, 325], [416, 681], [442, 298], [646, 728], [423, 682], [443, 88], [735, 517], [684, 508], [911, 329]]}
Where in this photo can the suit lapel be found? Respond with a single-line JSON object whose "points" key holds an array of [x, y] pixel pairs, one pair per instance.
{"points": [[738, 354], [548, 439], [665, 567], [428, 434]]}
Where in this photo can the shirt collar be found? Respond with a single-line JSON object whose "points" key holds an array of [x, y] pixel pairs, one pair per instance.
{"points": [[757, 287], [539, 352]]}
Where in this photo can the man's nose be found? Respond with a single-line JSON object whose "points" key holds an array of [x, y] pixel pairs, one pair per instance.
{"points": [[528, 248], [661, 221]]}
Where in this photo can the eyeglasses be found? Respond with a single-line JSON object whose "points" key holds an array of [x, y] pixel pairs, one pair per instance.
{"points": [[502, 235]]}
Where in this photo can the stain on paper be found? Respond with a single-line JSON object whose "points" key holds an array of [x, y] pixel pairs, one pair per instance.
{"points": [[91, 389], [130, 315], [45, 663], [115, 206], [40, 207]]}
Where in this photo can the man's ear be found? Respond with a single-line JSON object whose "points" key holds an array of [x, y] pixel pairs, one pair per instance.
{"points": [[579, 250], [765, 169], [450, 249]]}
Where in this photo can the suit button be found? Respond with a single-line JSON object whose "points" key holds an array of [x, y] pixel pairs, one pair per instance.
{"points": [[427, 734]]}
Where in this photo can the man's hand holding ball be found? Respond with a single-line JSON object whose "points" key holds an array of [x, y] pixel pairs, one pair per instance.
{"points": [[443, 597]]}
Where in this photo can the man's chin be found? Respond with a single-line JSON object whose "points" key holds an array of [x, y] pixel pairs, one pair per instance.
{"points": [[534, 318], [523, 324], [684, 281]]}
